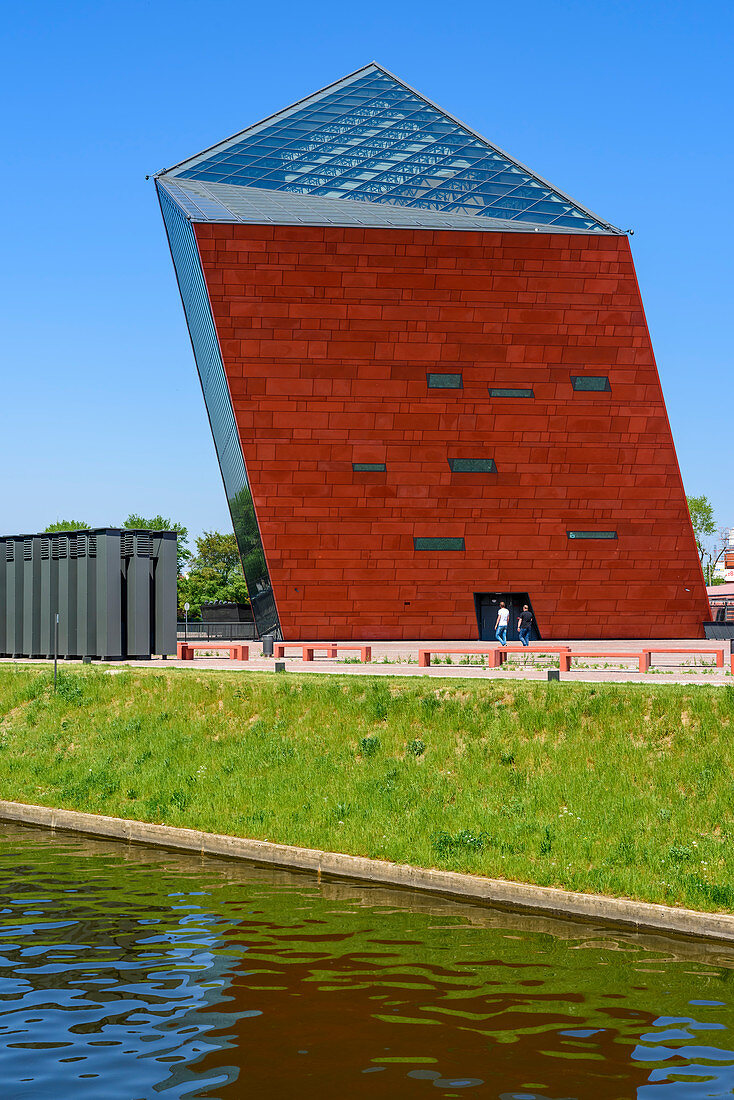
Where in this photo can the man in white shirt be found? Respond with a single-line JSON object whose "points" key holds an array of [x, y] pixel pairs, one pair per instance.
{"points": [[500, 627]]}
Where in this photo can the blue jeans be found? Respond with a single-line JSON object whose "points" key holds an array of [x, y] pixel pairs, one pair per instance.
{"points": [[501, 634], [525, 636]]}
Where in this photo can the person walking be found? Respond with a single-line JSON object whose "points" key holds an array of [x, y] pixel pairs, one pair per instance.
{"points": [[525, 624], [500, 627]]}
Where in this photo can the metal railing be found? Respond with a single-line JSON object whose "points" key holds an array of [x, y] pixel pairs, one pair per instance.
{"points": [[216, 632]]}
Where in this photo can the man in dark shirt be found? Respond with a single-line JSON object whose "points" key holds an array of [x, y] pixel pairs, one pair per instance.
{"points": [[525, 624]]}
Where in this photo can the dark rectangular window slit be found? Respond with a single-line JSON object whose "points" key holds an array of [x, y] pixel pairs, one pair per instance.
{"points": [[444, 381], [368, 467], [596, 383], [473, 465], [499, 391], [438, 544], [592, 534]]}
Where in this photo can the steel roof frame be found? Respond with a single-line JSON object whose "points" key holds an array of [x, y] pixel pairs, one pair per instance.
{"points": [[344, 82]]}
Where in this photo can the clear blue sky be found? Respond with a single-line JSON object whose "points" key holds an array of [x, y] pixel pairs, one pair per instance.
{"points": [[626, 106]]}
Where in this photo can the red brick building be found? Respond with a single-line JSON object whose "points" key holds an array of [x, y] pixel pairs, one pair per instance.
{"points": [[430, 382]]}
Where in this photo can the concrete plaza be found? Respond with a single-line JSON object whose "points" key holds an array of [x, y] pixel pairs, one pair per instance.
{"points": [[401, 659]]}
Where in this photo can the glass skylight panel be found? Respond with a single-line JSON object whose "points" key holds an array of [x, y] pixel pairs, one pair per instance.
{"points": [[395, 137]]}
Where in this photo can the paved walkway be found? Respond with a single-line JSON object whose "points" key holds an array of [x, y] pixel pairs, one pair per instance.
{"points": [[401, 659]]}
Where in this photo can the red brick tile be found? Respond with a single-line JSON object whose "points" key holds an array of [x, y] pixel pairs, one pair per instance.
{"points": [[327, 335]]}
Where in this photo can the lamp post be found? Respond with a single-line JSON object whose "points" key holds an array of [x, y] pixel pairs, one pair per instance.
{"points": [[56, 646]]}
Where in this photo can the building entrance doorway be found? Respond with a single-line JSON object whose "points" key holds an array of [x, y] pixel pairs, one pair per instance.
{"points": [[487, 605]]}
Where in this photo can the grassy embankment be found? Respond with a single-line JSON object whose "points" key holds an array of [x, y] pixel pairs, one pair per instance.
{"points": [[617, 789]]}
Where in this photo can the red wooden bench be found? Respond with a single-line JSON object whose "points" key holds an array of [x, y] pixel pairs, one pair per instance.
{"points": [[331, 649], [237, 651], [629, 654], [542, 648], [424, 655], [307, 651], [365, 651], [644, 655], [647, 652], [497, 653]]}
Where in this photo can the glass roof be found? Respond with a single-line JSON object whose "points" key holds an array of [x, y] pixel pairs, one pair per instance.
{"points": [[372, 139]]}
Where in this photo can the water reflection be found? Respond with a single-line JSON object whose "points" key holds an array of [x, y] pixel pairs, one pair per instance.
{"points": [[128, 973]]}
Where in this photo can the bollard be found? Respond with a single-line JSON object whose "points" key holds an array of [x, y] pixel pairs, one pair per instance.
{"points": [[280, 666], [554, 674], [268, 646]]}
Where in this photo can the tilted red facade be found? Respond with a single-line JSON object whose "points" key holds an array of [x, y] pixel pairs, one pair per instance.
{"points": [[327, 335]]}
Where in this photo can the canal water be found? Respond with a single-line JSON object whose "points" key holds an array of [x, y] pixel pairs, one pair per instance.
{"points": [[128, 973]]}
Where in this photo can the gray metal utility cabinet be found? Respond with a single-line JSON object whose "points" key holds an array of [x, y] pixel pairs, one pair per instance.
{"points": [[114, 591]]}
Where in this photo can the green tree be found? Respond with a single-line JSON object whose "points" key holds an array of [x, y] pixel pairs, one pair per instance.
{"points": [[65, 525], [214, 573], [203, 586], [219, 553], [704, 524], [162, 523]]}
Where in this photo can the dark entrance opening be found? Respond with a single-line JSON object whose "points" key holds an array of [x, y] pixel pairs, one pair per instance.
{"points": [[487, 605]]}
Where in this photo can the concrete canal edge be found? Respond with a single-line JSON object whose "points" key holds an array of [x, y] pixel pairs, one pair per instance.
{"points": [[498, 893]]}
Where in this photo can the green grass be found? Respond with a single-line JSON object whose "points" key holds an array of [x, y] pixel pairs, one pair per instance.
{"points": [[617, 789]]}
